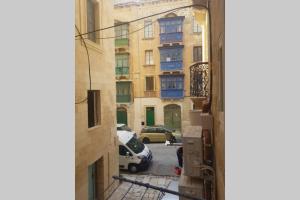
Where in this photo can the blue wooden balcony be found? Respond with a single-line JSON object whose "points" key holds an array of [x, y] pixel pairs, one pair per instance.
{"points": [[172, 94], [171, 65], [171, 37], [172, 86]]}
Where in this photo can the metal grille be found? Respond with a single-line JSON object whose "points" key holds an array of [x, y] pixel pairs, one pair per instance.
{"points": [[199, 79]]}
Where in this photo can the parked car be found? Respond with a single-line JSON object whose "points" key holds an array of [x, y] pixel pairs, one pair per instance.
{"points": [[124, 127], [156, 134], [133, 154], [163, 126]]}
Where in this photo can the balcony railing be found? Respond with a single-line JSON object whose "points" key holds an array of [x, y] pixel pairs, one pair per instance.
{"points": [[170, 37], [150, 93], [123, 98], [171, 94], [199, 77], [121, 42], [171, 65]]}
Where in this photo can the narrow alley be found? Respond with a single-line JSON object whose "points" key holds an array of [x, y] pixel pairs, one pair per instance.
{"points": [[146, 107]]}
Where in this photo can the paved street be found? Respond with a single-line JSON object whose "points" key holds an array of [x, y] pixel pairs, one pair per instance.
{"points": [[163, 162]]}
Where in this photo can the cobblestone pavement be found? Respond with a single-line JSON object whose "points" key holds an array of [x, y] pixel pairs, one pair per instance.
{"points": [[128, 191]]}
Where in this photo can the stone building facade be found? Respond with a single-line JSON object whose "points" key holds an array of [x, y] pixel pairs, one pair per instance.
{"points": [[217, 101], [153, 83], [96, 147]]}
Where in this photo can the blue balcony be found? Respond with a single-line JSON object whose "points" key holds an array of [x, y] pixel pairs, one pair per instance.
{"points": [[171, 58], [171, 37], [172, 65], [172, 86], [171, 29], [172, 94]]}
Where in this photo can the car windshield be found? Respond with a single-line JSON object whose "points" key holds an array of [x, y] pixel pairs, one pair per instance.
{"points": [[135, 145], [124, 128]]}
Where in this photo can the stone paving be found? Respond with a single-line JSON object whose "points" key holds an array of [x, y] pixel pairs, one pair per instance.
{"points": [[136, 192]]}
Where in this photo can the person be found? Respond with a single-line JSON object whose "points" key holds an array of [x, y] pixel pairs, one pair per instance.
{"points": [[179, 156]]}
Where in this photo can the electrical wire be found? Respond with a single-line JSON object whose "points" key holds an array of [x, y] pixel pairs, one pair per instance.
{"points": [[81, 101], [138, 19], [89, 64], [88, 55], [112, 37]]}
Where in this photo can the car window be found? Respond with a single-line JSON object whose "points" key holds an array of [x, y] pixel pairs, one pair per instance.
{"points": [[123, 150], [135, 145], [152, 130], [148, 130], [124, 128], [160, 130]]}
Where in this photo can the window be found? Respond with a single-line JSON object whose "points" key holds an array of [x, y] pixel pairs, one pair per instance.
{"points": [[160, 130], [92, 19], [149, 57], [171, 54], [121, 31], [172, 82], [135, 145], [122, 64], [196, 26], [123, 151], [123, 91], [197, 54], [148, 31], [171, 26], [96, 173], [94, 108], [150, 83], [122, 60]]}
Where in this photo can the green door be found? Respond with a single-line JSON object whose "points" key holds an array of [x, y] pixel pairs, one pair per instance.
{"points": [[122, 116], [92, 181], [172, 116], [150, 121]]}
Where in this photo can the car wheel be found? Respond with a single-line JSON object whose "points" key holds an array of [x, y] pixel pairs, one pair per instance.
{"points": [[132, 168], [146, 141]]}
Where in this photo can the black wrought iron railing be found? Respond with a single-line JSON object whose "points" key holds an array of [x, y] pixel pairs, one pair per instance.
{"points": [[199, 79]]}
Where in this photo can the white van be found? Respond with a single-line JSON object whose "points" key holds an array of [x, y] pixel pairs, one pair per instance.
{"points": [[124, 127], [133, 154]]}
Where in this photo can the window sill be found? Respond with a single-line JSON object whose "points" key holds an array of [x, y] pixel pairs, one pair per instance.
{"points": [[93, 128], [149, 38], [149, 65]]}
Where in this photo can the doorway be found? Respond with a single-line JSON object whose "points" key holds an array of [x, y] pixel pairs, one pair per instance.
{"points": [[172, 116], [150, 120], [122, 115], [96, 180]]}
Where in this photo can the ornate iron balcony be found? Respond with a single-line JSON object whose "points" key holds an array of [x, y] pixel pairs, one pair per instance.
{"points": [[199, 77]]}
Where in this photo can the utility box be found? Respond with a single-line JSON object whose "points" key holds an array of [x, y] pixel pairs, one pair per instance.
{"points": [[192, 151], [190, 186], [201, 119]]}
